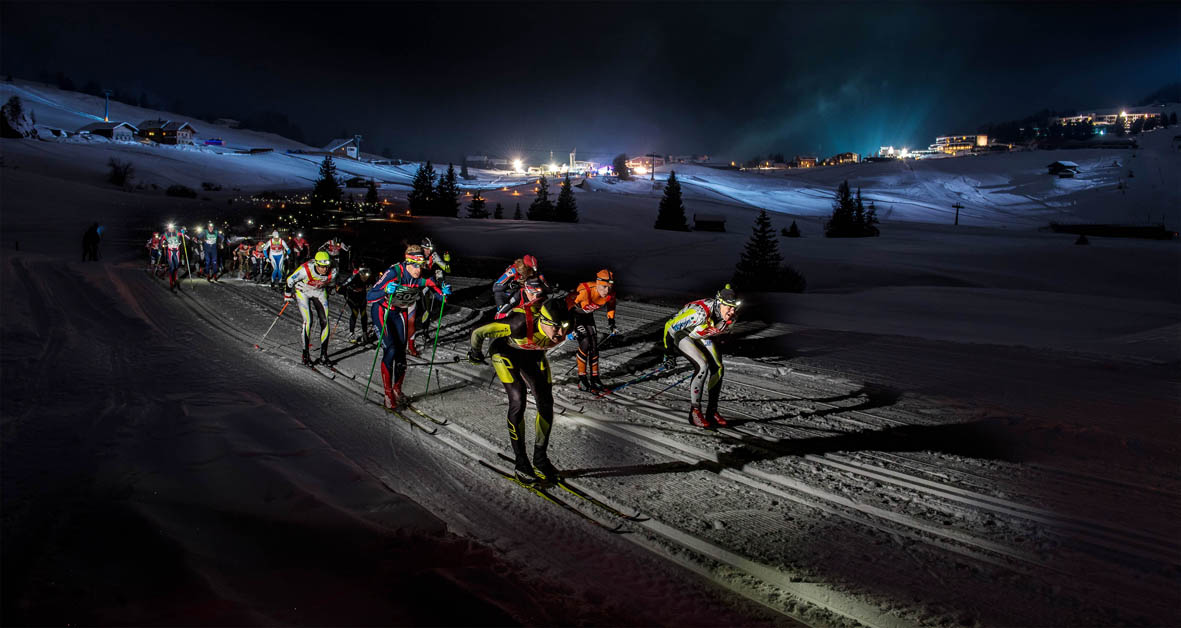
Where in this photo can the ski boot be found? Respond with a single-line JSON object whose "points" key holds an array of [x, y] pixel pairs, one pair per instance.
{"points": [[597, 384], [410, 348], [719, 420], [697, 419], [325, 361], [524, 472], [545, 470], [307, 359], [584, 384]]}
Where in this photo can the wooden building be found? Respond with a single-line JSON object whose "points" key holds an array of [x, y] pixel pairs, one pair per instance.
{"points": [[118, 131], [167, 131], [709, 222], [343, 147]]}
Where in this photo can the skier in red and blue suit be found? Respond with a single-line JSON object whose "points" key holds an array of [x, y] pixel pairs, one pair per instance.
{"points": [[391, 302]]}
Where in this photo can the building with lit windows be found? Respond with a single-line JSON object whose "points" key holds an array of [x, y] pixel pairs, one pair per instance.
{"points": [[166, 131], [1108, 117], [953, 144]]}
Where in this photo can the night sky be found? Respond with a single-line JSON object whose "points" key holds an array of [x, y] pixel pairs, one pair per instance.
{"points": [[730, 80]]}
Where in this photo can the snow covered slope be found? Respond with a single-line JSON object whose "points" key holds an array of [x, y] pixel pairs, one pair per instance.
{"points": [[86, 159], [997, 190]]}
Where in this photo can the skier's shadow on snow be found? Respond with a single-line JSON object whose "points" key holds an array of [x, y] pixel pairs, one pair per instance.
{"points": [[875, 396], [778, 350], [986, 439]]}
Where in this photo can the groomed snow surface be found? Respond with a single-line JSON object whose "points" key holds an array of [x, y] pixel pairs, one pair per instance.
{"points": [[952, 427]]}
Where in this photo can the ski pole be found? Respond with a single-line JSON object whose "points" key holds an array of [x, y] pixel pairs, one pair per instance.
{"points": [[189, 269], [338, 317], [438, 326], [380, 338], [634, 381], [672, 385], [258, 344]]}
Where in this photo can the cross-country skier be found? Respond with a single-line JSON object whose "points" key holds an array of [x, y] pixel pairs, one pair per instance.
{"points": [[155, 248], [354, 289], [242, 259], [259, 260], [435, 267], [307, 286], [277, 251], [210, 242], [300, 248], [391, 303], [506, 289], [333, 247], [689, 333], [588, 297], [174, 240], [519, 343]]}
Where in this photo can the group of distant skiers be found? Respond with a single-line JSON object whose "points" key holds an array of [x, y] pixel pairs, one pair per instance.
{"points": [[530, 318], [212, 255]]}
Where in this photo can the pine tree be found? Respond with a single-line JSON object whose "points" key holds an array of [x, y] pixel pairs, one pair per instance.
{"points": [[1173, 119], [758, 268], [566, 210], [499, 212], [541, 208], [476, 209], [672, 208], [871, 221], [619, 165], [327, 192], [858, 213], [517, 214], [463, 172], [447, 194], [422, 192], [371, 197], [841, 223], [793, 231]]}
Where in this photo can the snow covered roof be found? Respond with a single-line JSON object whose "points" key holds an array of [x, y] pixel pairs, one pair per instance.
{"points": [[104, 126], [152, 124], [338, 143], [1067, 164]]}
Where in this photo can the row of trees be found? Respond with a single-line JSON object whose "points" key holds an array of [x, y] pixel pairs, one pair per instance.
{"points": [[434, 195]]}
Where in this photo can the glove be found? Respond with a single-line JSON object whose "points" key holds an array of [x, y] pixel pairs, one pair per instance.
{"points": [[571, 336], [475, 356], [391, 288], [288, 297], [611, 326], [446, 289], [670, 361], [447, 256]]}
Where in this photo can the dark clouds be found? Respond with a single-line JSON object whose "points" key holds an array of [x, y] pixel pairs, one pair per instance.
{"points": [[729, 79]]}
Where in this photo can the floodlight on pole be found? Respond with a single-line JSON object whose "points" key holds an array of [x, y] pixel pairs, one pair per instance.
{"points": [[107, 106]]}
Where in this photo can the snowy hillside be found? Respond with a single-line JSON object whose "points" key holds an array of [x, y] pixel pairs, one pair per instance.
{"points": [[998, 190], [86, 158]]}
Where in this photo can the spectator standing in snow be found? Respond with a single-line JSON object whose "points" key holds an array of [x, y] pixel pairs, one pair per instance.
{"points": [[90, 242]]}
